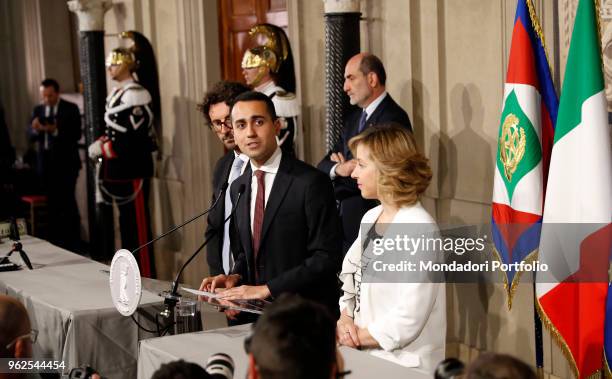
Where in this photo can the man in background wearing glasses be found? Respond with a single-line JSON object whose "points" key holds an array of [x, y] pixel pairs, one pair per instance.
{"points": [[216, 112], [16, 334]]}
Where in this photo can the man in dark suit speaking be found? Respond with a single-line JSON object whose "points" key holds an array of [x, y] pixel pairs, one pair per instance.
{"points": [[364, 83], [285, 234]]}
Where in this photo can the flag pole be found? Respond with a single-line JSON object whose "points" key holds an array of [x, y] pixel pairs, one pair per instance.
{"points": [[539, 349]]}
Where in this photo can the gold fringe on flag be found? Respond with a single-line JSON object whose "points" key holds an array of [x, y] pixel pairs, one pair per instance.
{"points": [[557, 337], [511, 287], [538, 29]]}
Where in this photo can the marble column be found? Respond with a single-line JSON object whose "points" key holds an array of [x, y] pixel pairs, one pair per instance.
{"points": [[341, 43], [91, 55]]}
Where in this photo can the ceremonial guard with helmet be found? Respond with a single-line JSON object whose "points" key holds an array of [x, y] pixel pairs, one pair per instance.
{"points": [[268, 68], [126, 147]]}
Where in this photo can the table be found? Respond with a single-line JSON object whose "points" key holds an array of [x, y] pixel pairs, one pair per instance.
{"points": [[197, 347], [68, 299]]}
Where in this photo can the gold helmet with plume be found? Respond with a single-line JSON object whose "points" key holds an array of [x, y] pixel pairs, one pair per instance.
{"points": [[120, 56], [132, 55], [139, 57], [272, 53]]}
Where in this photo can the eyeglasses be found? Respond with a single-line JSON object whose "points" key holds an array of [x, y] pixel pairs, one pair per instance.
{"points": [[218, 124], [33, 335]]}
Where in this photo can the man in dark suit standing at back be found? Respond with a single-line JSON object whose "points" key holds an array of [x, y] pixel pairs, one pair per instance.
{"points": [[56, 127], [216, 111], [285, 234], [364, 83]]}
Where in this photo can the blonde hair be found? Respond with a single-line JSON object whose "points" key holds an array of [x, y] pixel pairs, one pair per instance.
{"points": [[404, 173]]}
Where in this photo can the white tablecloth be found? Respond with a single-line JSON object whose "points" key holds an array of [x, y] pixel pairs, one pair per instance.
{"points": [[197, 347], [68, 299]]}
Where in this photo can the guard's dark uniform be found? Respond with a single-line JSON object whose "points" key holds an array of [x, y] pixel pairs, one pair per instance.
{"points": [[288, 111], [127, 166]]}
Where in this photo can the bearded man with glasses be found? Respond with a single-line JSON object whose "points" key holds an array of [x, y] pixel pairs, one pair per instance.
{"points": [[216, 111]]}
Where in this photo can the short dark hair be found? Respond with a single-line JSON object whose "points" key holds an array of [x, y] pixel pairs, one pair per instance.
{"points": [[180, 370], [50, 83], [371, 63], [294, 339], [255, 96], [222, 92], [499, 366]]}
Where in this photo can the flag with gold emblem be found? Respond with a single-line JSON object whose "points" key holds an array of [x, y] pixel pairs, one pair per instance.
{"points": [[529, 113]]}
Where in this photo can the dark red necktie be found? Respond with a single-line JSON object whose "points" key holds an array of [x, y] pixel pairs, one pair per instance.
{"points": [[260, 202]]}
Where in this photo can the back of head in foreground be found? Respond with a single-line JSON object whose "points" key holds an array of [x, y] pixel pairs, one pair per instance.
{"points": [[499, 366], [293, 339], [14, 329], [180, 370]]}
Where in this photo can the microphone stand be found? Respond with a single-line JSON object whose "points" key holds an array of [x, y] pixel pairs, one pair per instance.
{"points": [[172, 297], [223, 188], [17, 246]]}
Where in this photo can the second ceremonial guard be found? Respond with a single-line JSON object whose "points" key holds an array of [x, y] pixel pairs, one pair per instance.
{"points": [[125, 149]]}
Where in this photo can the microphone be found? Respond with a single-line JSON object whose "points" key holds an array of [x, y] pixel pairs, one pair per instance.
{"points": [[214, 204], [241, 190], [17, 246]]}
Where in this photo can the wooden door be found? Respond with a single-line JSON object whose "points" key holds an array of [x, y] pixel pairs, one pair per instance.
{"points": [[236, 17]]}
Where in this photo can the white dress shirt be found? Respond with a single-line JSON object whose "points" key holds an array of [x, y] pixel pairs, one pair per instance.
{"points": [[270, 167], [374, 104], [50, 111], [226, 256]]}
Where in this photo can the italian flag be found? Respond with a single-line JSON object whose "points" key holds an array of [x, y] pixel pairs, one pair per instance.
{"points": [[578, 198]]}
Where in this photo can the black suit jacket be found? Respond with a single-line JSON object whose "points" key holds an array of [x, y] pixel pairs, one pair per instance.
{"points": [[300, 248], [214, 228], [352, 205], [63, 155]]}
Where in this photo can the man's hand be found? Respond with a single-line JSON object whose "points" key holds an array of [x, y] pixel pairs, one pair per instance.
{"points": [[95, 149], [347, 332], [246, 293], [343, 168], [336, 157], [346, 168], [51, 128], [36, 125], [220, 281]]}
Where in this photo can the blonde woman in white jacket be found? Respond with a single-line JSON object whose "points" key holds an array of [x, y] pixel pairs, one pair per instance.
{"points": [[404, 322]]}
